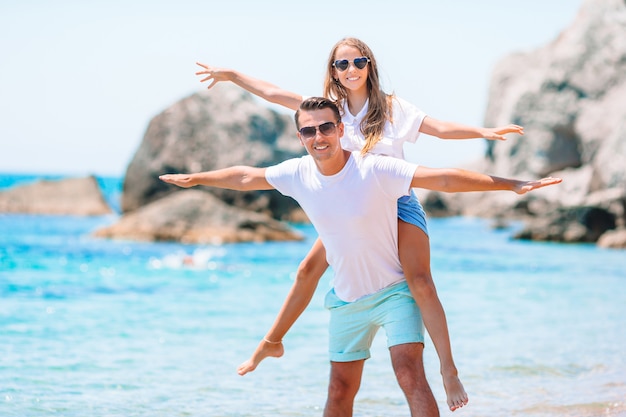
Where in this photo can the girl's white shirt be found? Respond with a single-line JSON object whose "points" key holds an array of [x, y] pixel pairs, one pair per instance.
{"points": [[407, 120]]}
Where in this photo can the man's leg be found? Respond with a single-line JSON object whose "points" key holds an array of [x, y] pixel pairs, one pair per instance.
{"points": [[345, 380], [408, 365]]}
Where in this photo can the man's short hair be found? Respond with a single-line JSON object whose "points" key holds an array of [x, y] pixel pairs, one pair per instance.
{"points": [[317, 103]]}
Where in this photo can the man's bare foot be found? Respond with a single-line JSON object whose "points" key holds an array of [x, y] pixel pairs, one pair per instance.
{"points": [[263, 350], [457, 397]]}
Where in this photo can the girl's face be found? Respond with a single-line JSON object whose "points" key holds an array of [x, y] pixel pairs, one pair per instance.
{"points": [[352, 78]]}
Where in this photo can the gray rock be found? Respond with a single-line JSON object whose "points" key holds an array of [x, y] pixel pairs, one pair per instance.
{"points": [[212, 129], [194, 216], [572, 225], [570, 96], [209, 130], [71, 196], [613, 239]]}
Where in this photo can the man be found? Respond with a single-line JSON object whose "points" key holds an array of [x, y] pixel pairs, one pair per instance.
{"points": [[352, 202]]}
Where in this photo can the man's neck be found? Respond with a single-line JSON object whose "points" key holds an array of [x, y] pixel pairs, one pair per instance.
{"points": [[334, 165]]}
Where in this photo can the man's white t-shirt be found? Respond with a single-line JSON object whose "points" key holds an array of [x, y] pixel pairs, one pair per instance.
{"points": [[355, 214], [407, 120]]}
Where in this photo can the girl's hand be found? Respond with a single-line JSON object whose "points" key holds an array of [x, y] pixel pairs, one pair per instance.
{"points": [[497, 133], [213, 74]]}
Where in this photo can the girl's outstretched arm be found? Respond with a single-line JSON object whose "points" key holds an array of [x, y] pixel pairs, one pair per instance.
{"points": [[450, 130], [260, 88], [452, 180]]}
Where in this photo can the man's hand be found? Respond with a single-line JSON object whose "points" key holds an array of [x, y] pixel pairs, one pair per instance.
{"points": [[182, 180], [525, 186]]}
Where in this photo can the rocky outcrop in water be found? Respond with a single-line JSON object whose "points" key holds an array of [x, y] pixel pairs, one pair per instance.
{"points": [[193, 216], [209, 130], [212, 129], [570, 96], [71, 196]]}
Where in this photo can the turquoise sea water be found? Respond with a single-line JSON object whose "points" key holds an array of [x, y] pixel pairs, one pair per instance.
{"points": [[92, 327]]}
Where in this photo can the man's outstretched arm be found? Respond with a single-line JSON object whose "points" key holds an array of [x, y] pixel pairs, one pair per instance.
{"points": [[240, 178], [453, 180]]}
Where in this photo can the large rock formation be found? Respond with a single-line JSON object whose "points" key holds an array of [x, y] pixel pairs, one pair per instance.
{"points": [[193, 216], [71, 196], [570, 96], [209, 130]]}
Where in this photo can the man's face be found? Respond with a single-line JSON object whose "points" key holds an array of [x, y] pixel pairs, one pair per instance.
{"points": [[324, 144]]}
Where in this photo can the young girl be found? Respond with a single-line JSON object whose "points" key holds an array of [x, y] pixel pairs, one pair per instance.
{"points": [[379, 123]]}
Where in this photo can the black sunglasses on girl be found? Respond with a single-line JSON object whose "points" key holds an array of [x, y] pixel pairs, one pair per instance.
{"points": [[342, 64], [325, 129]]}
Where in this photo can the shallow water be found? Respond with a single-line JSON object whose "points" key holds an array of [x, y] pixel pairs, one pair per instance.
{"points": [[92, 327]]}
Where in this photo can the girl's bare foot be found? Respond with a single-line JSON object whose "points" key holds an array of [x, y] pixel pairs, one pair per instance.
{"points": [[457, 397], [264, 349]]}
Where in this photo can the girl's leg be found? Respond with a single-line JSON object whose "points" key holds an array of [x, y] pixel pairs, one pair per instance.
{"points": [[414, 252], [308, 275]]}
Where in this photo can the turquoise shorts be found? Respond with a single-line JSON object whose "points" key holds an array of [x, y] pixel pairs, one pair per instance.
{"points": [[411, 211], [353, 325]]}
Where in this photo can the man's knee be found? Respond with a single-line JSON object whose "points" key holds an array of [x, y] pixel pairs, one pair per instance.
{"points": [[410, 378], [342, 390], [408, 358], [345, 380]]}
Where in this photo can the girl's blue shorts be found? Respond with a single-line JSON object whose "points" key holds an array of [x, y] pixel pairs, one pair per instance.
{"points": [[411, 211]]}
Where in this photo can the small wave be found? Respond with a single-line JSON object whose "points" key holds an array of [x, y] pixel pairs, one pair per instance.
{"points": [[593, 409], [198, 259], [541, 369]]}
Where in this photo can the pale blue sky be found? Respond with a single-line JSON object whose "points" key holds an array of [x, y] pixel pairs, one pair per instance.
{"points": [[80, 80]]}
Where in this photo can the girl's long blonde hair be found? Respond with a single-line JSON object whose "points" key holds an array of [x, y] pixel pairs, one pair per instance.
{"points": [[379, 110]]}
